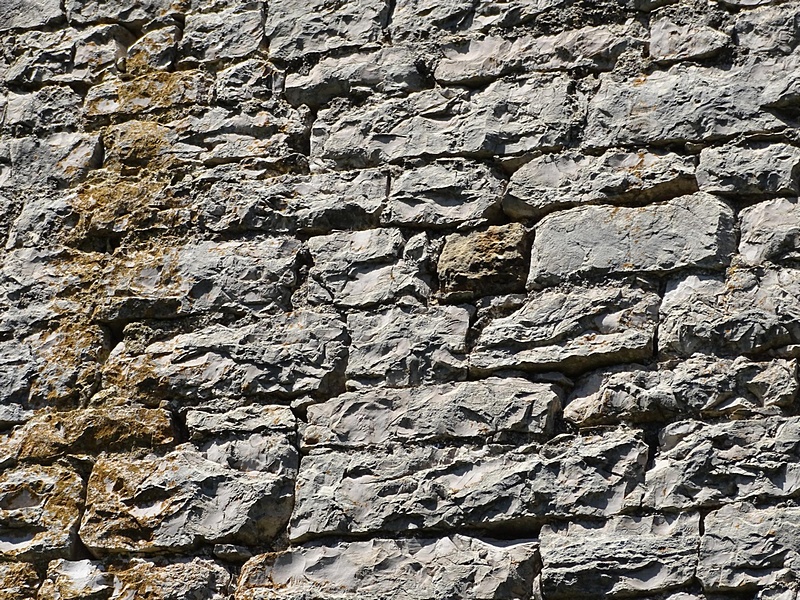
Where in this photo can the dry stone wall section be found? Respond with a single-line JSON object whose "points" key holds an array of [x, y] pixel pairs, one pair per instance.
{"points": [[379, 299]]}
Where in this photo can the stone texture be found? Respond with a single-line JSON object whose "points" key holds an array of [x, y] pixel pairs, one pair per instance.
{"points": [[621, 557], [555, 181], [175, 502], [671, 42], [82, 12], [748, 312], [21, 14], [571, 329], [694, 231], [444, 193], [756, 170], [52, 107], [18, 580], [768, 29], [418, 569], [62, 158], [148, 93], [233, 32], [401, 347], [770, 231], [746, 548], [40, 507], [492, 409], [701, 465], [446, 488]]}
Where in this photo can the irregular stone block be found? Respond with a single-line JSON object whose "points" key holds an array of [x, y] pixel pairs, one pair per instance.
{"points": [[23, 14], [690, 231], [18, 580], [234, 32], [254, 418], [571, 330], [701, 465], [443, 488], [510, 13], [702, 385], [290, 203], [484, 263], [491, 409], [746, 313], [298, 353], [444, 193], [621, 557], [768, 29], [313, 26], [75, 580], [154, 91], [50, 435], [505, 118], [389, 70], [417, 569], [244, 81], [770, 231], [175, 502], [745, 548], [757, 170], [402, 347], [689, 104], [52, 107], [40, 508], [62, 158], [82, 12], [671, 42], [365, 268], [554, 181], [155, 51], [421, 18]]}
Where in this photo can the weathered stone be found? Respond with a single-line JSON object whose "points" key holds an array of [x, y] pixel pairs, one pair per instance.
{"points": [[690, 104], [761, 169], [314, 27], [492, 409], [770, 231], [298, 353], [572, 330], [768, 29], [702, 465], [241, 420], [745, 548], [621, 557], [82, 12], [75, 580], [175, 502], [244, 81], [401, 347], [440, 488], [389, 70], [23, 14], [234, 32], [39, 512], [701, 385], [417, 569], [671, 42], [444, 193], [50, 435], [52, 107], [505, 118], [62, 158], [309, 203], [18, 580], [365, 268], [421, 18], [154, 91], [694, 231], [509, 13], [484, 263], [746, 313], [154, 51], [555, 181]]}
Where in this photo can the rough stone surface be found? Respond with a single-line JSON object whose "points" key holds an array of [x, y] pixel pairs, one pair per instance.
{"points": [[454, 566], [770, 231], [747, 171]]}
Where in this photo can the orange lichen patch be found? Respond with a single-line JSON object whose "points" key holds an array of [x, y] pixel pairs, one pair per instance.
{"points": [[138, 143], [153, 91], [147, 580], [68, 364], [18, 580], [49, 435]]}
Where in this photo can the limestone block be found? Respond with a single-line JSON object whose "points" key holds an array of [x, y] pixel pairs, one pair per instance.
{"points": [[623, 556], [51, 107], [671, 42], [234, 32], [422, 18], [62, 158], [155, 50], [18, 580], [254, 418], [82, 12], [746, 313], [490, 409], [148, 93], [249, 79], [694, 231], [754, 170], [770, 231], [571, 329], [483, 263], [444, 193], [401, 347], [555, 181], [389, 70], [749, 548], [40, 507], [175, 502], [457, 566], [701, 465], [365, 268], [22, 14], [288, 355], [768, 29], [295, 29]]}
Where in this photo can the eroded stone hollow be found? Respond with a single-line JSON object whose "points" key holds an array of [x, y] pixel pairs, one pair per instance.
{"points": [[399, 299]]}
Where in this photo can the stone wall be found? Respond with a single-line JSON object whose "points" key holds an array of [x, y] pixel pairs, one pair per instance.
{"points": [[381, 299]]}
